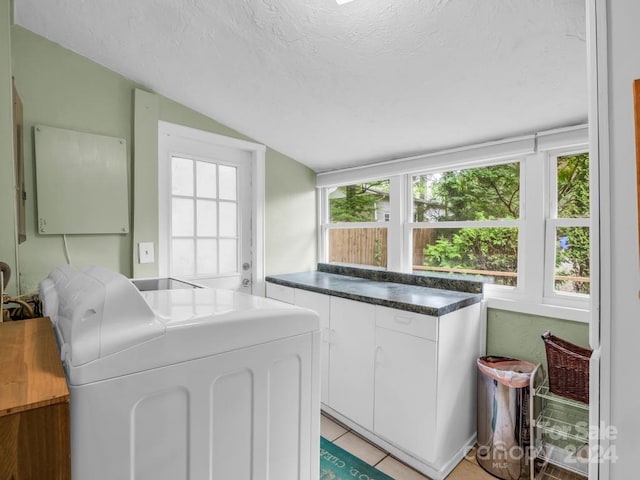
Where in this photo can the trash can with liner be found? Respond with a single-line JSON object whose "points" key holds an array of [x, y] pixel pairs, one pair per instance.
{"points": [[503, 416]]}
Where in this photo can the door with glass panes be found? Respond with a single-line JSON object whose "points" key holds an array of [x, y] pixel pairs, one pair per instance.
{"points": [[205, 213]]}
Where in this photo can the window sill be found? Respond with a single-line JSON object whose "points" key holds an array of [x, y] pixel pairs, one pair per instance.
{"points": [[541, 309]]}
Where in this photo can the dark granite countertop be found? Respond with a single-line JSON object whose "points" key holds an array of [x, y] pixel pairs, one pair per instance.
{"points": [[401, 294]]}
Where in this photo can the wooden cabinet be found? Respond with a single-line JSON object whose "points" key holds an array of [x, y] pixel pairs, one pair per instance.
{"points": [[34, 404], [351, 358]]}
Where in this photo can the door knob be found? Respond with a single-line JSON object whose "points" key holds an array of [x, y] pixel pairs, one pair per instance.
{"points": [[246, 282]]}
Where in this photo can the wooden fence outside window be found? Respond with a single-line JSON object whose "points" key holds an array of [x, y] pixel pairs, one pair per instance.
{"points": [[368, 246]]}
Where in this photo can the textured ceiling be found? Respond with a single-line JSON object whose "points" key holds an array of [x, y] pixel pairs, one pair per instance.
{"points": [[340, 85]]}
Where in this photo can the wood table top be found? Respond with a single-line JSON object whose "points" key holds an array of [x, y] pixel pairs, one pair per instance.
{"points": [[31, 373]]}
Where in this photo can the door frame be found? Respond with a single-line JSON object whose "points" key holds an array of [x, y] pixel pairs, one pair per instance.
{"points": [[600, 324], [258, 161]]}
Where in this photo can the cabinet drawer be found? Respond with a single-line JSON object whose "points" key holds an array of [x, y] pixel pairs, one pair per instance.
{"points": [[416, 324], [280, 292]]}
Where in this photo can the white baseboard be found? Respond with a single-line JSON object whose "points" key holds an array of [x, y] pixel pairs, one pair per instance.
{"points": [[434, 472]]}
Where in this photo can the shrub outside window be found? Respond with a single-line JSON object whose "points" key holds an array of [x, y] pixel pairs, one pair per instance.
{"points": [[466, 221], [568, 223]]}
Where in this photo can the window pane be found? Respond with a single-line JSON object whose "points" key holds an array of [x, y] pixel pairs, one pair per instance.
{"points": [[573, 186], [489, 252], [181, 176], [471, 194], [182, 257], [228, 182], [228, 219], [572, 260], [207, 218], [359, 246], [182, 217], [207, 256], [363, 202], [228, 256], [206, 180]]}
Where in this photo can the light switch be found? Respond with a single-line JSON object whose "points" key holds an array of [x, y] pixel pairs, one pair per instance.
{"points": [[145, 252]]}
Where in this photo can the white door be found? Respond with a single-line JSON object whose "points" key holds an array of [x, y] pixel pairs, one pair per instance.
{"points": [[351, 360], [205, 212]]}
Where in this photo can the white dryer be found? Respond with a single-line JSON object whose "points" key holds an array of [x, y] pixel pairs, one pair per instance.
{"points": [[192, 383]]}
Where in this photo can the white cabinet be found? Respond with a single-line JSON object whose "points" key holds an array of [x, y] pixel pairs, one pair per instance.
{"points": [[351, 354], [322, 305], [405, 375], [319, 303], [280, 292], [406, 381]]}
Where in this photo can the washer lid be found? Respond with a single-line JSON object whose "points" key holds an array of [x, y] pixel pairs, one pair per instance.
{"points": [[107, 328], [96, 313], [228, 319], [200, 323]]}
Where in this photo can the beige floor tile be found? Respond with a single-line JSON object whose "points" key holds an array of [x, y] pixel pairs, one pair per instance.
{"points": [[467, 470], [471, 455], [359, 447], [330, 429], [398, 470]]}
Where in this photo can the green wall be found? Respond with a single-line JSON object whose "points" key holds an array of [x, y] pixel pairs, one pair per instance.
{"points": [[291, 252], [7, 179], [62, 89], [517, 335]]}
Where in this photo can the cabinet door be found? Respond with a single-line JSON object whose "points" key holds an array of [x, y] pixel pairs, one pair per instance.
{"points": [[322, 305], [405, 391], [351, 360]]}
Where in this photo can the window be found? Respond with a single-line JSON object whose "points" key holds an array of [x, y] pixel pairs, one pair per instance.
{"points": [[515, 213], [356, 224], [204, 232], [568, 236], [466, 221]]}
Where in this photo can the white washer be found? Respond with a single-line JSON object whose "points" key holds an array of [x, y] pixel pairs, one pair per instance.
{"points": [[185, 383]]}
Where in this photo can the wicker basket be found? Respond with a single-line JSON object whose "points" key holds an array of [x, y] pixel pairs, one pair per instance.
{"points": [[568, 366]]}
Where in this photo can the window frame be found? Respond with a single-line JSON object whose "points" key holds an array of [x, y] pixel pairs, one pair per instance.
{"points": [[552, 223], [326, 226], [501, 223], [534, 153]]}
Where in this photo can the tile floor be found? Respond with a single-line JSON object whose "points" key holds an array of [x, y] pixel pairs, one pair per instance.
{"points": [[467, 469]]}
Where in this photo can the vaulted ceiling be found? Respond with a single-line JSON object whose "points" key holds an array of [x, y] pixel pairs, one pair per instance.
{"points": [[342, 85]]}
